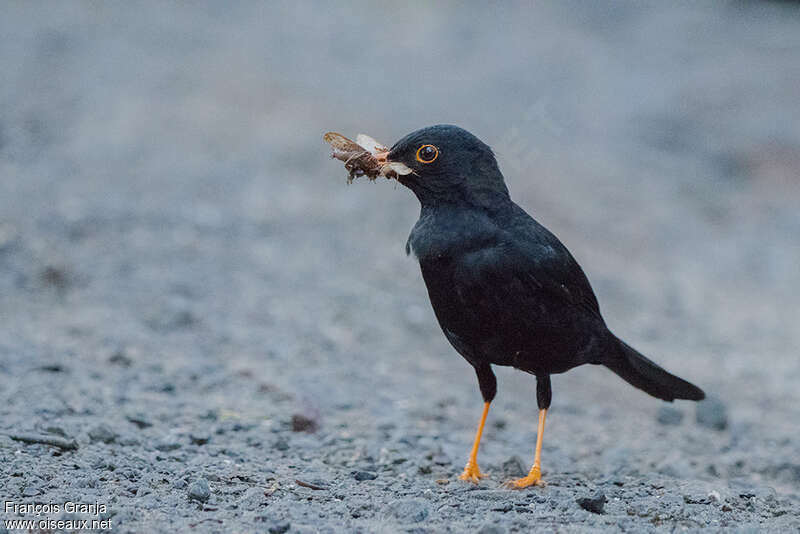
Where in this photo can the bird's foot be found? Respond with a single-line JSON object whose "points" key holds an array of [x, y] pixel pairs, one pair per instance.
{"points": [[534, 478], [472, 473]]}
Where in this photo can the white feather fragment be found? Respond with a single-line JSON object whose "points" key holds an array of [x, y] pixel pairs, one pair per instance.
{"points": [[370, 144], [397, 167]]}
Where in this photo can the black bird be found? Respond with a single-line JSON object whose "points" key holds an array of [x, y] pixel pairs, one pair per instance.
{"points": [[504, 289]]}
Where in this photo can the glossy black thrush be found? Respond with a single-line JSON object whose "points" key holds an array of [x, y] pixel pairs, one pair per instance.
{"points": [[504, 289]]}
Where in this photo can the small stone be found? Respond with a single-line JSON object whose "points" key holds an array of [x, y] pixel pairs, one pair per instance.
{"points": [[99, 463], [254, 498], [210, 415], [747, 490], [514, 467], [301, 423], [364, 475], [282, 445], [140, 420], [595, 504], [30, 492], [128, 441], [167, 446], [120, 358], [278, 527], [409, 510], [103, 433], [199, 490], [712, 413], [491, 528], [199, 438], [55, 276], [52, 368], [669, 416]]}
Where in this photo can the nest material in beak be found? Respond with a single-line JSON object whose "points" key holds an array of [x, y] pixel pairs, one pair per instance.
{"points": [[364, 157]]}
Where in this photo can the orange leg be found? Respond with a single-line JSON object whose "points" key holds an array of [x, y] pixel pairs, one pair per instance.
{"points": [[534, 477], [471, 471]]}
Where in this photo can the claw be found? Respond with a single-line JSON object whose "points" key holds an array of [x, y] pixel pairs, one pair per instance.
{"points": [[472, 473], [534, 478]]}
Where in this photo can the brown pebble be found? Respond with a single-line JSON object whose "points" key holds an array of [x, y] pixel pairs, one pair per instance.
{"points": [[301, 423]]}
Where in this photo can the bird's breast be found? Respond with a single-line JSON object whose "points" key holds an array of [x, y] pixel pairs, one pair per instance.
{"points": [[447, 232]]}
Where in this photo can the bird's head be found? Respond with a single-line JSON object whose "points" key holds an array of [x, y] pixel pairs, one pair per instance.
{"points": [[445, 163]]}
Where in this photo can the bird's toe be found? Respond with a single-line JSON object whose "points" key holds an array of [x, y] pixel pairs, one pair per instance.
{"points": [[534, 478], [472, 473]]}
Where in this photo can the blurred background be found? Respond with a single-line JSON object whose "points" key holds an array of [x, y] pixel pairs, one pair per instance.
{"points": [[175, 241]]}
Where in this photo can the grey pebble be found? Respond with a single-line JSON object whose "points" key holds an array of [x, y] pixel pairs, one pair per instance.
{"points": [[408, 510], [278, 527], [167, 446], [199, 438], [120, 358], [128, 441], [31, 492], [491, 528], [364, 475], [103, 433], [514, 467], [669, 415], [252, 499], [56, 430], [595, 504], [199, 490], [712, 413], [139, 420]]}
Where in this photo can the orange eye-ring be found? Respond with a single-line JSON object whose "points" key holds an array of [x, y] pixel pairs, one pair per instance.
{"points": [[427, 153]]}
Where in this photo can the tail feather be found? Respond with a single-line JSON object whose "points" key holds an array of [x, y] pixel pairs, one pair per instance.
{"points": [[644, 374]]}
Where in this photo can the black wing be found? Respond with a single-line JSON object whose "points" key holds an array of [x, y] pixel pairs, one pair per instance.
{"points": [[524, 301], [507, 276], [529, 257]]}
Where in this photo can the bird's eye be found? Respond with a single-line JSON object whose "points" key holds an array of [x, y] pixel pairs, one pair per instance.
{"points": [[427, 153]]}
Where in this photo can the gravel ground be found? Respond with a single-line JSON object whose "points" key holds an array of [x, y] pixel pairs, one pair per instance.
{"points": [[215, 334]]}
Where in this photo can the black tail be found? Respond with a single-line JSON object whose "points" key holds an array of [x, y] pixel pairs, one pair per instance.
{"points": [[640, 372]]}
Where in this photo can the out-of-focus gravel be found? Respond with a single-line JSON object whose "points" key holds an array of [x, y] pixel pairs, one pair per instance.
{"points": [[236, 340]]}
